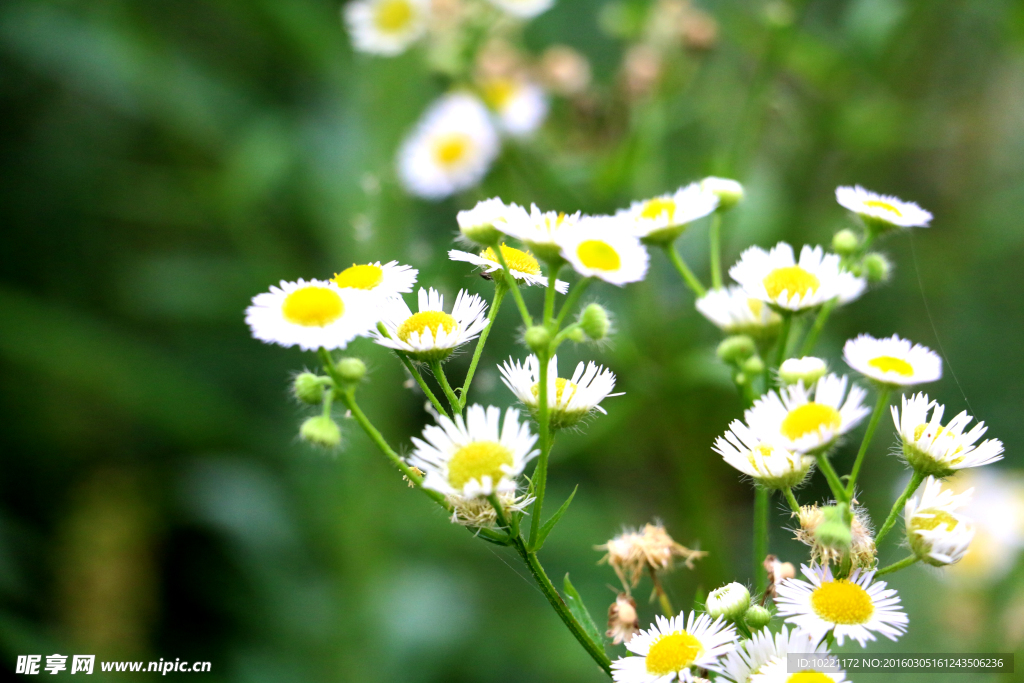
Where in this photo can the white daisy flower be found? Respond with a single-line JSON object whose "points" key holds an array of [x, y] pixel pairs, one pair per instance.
{"points": [[673, 648], [476, 225], [937, 533], [541, 231], [856, 607], [596, 248], [526, 9], [733, 312], [310, 315], [769, 465], [523, 266], [520, 104], [777, 671], [387, 280], [937, 450], [662, 219], [430, 334], [757, 659], [386, 27], [777, 278], [881, 210], [892, 361], [476, 456], [569, 400], [807, 370], [805, 420], [451, 148], [728, 191]]}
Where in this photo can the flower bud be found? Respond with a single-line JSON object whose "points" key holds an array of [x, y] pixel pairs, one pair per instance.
{"points": [[877, 267], [845, 242], [753, 365], [834, 531], [736, 349], [321, 431], [575, 334], [730, 601], [807, 370], [594, 321], [477, 224], [729, 192], [757, 617], [538, 338], [308, 388], [350, 370]]}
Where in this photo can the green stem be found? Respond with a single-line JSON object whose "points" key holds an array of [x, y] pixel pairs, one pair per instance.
{"points": [[540, 473], [830, 474], [780, 350], [574, 295], [549, 295], [896, 566], [513, 287], [915, 482], [791, 499], [453, 400], [716, 249], [499, 294], [760, 537], [416, 375], [880, 406], [659, 590], [499, 510], [688, 277], [819, 324]]}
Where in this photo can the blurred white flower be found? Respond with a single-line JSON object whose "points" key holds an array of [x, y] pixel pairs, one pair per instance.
{"points": [[520, 104], [386, 27], [892, 361], [526, 9]]}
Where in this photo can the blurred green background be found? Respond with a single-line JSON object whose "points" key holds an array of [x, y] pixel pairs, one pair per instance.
{"points": [[165, 161]]}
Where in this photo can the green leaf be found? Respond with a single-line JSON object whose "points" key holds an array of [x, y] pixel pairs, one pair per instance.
{"points": [[542, 534], [579, 610]]}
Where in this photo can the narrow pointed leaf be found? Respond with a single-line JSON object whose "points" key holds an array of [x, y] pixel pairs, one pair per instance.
{"points": [[579, 610], [550, 524]]}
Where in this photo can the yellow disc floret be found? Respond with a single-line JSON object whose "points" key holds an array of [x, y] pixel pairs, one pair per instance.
{"points": [[809, 419], [476, 460], [793, 280], [312, 306], [598, 255], [673, 653], [517, 259], [842, 602], [928, 520], [359, 277], [809, 677], [885, 206], [451, 149], [393, 16], [499, 92], [561, 385], [421, 322], [654, 208], [892, 364]]}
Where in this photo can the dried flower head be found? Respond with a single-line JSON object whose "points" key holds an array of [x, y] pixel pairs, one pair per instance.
{"points": [[478, 512], [862, 543], [631, 553], [622, 620], [777, 573], [565, 71]]}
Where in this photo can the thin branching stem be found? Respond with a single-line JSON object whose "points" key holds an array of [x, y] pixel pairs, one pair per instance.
{"points": [[760, 537], [896, 566], [453, 400], [513, 287], [912, 485], [715, 249], [880, 406], [684, 270], [499, 293]]}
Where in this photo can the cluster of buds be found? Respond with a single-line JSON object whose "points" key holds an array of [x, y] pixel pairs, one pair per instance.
{"points": [[837, 531]]}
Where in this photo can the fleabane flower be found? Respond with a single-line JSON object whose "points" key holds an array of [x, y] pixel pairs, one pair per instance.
{"points": [[660, 220], [862, 551], [310, 315], [808, 370], [569, 400], [728, 191], [778, 278], [855, 608], [673, 648], [882, 211], [763, 657], [769, 465], [386, 27], [386, 281], [520, 104], [633, 553], [937, 532], [541, 231], [431, 334], [937, 450], [525, 9], [450, 149], [523, 266], [807, 419], [734, 312], [595, 247], [476, 225], [473, 457], [892, 361]]}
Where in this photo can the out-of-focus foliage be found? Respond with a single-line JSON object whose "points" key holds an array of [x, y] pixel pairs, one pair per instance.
{"points": [[162, 162]]}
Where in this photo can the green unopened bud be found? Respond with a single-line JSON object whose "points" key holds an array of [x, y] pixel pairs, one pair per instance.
{"points": [[845, 242], [753, 365], [877, 267], [594, 322], [834, 530], [757, 617], [538, 338], [736, 349], [308, 388], [807, 370], [729, 192], [350, 370], [575, 334], [730, 601], [477, 224], [321, 431]]}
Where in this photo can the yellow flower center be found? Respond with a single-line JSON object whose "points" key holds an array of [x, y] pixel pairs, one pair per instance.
{"points": [[673, 653], [809, 677], [937, 518], [451, 149], [561, 385], [522, 261], [313, 306], [808, 419], [657, 206], [793, 280], [359, 277], [393, 16], [598, 255], [499, 92], [426, 320], [842, 602], [476, 460], [885, 206], [891, 364]]}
